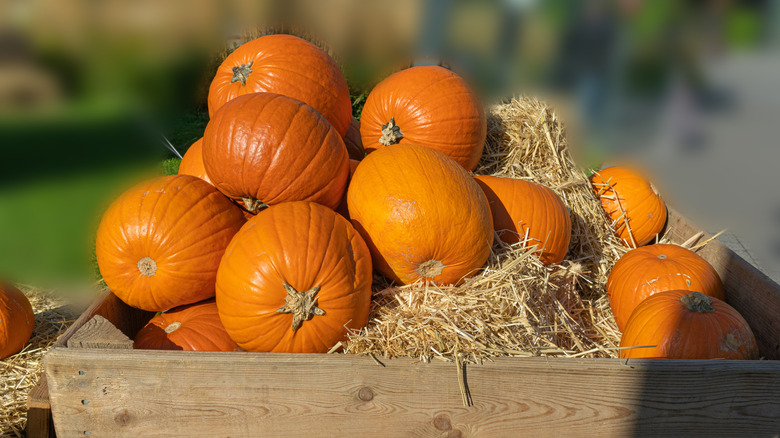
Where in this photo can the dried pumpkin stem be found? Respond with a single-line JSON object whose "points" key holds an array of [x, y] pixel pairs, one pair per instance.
{"points": [[391, 133], [147, 266], [253, 205], [430, 269], [242, 72], [697, 302], [302, 305]]}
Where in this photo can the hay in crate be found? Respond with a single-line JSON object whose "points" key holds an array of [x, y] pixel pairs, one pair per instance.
{"points": [[516, 306], [19, 373]]}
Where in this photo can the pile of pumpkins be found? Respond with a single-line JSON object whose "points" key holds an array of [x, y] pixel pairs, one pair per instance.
{"points": [[268, 238]]}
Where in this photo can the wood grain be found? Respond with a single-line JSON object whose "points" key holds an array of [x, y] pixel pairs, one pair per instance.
{"points": [[39, 421], [98, 332], [755, 296], [161, 393]]}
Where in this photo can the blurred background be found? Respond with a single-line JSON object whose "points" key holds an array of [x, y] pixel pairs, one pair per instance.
{"points": [[91, 93]]}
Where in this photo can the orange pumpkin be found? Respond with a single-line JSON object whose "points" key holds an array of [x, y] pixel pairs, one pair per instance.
{"points": [[681, 324], [353, 142], [296, 278], [192, 162], [637, 212], [421, 214], [194, 327], [159, 244], [265, 149], [650, 269], [428, 106], [342, 208], [524, 208], [17, 320], [286, 65]]}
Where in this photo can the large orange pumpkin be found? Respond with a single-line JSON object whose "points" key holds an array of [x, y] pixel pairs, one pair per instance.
{"points": [[159, 244], [527, 210], [194, 327], [17, 320], [681, 324], [192, 162], [296, 278], [264, 149], [353, 142], [429, 106], [421, 214], [650, 269], [637, 212], [286, 65]]}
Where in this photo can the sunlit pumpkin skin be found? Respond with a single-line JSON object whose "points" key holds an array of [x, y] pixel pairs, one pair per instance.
{"points": [[17, 320], [353, 142], [160, 243], [294, 279], [521, 208], [342, 208], [192, 162], [286, 65], [264, 149], [687, 325], [622, 189], [429, 106], [421, 214], [650, 269], [194, 327]]}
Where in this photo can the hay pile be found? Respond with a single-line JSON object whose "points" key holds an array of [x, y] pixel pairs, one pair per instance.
{"points": [[516, 306], [19, 373]]}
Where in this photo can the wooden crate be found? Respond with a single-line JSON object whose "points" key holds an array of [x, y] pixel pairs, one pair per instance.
{"points": [[100, 387]]}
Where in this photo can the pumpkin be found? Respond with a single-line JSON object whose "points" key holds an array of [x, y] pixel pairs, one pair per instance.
{"points": [[194, 327], [650, 269], [421, 214], [264, 149], [353, 142], [159, 244], [427, 105], [524, 208], [680, 324], [342, 208], [637, 212], [17, 320], [295, 279], [289, 66], [192, 162]]}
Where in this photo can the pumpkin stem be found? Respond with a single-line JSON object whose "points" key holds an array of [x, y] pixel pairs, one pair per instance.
{"points": [[391, 133], [302, 305], [697, 302], [430, 269], [253, 205], [172, 327], [242, 72], [147, 266]]}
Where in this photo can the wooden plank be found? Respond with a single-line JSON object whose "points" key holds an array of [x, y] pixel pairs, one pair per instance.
{"points": [[748, 290], [98, 332], [39, 420], [127, 319], [143, 393]]}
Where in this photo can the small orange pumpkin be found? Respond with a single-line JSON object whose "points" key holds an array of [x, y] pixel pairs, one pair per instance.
{"points": [[524, 208], [192, 162], [159, 244], [637, 212], [286, 65], [680, 324], [264, 149], [194, 327], [422, 215], [17, 320], [295, 279], [353, 142], [650, 269], [429, 106]]}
